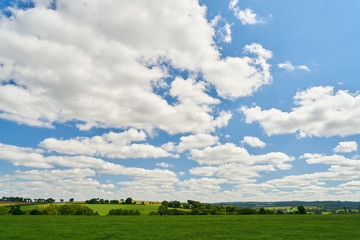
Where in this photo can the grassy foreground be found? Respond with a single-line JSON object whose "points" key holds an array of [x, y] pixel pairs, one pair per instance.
{"points": [[181, 227]]}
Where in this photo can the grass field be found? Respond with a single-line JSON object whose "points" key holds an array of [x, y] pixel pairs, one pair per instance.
{"points": [[181, 227], [103, 209]]}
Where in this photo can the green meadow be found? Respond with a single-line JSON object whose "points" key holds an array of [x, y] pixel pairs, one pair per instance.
{"points": [[103, 209], [181, 227]]}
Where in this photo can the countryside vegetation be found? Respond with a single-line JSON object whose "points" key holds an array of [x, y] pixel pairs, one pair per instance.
{"points": [[45, 219]]}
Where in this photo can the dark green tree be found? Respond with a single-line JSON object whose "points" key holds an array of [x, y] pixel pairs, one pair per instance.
{"points": [[128, 200], [301, 209], [262, 211]]}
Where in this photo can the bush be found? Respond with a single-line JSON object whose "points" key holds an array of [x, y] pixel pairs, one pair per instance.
{"points": [[35, 211], [4, 211]]}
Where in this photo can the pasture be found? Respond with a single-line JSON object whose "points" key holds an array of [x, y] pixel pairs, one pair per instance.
{"points": [[103, 209], [181, 227]]}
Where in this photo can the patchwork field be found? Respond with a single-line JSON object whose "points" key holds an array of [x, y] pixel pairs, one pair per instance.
{"points": [[181, 227]]}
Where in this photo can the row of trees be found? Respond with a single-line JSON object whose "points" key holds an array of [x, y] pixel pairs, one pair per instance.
{"points": [[66, 209], [198, 208], [29, 200], [106, 201], [121, 211]]}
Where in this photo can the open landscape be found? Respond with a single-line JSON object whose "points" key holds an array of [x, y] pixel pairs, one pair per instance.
{"points": [[181, 227], [179, 119]]}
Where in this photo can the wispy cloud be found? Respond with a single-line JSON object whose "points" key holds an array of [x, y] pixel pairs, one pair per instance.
{"points": [[246, 16], [290, 67]]}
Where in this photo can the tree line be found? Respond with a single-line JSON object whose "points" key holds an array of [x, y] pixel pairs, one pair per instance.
{"points": [[29, 200], [106, 201], [52, 209], [197, 208]]}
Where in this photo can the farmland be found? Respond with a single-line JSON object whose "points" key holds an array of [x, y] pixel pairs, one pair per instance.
{"points": [[181, 227]]}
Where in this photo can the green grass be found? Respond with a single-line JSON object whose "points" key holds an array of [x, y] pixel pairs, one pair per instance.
{"points": [[103, 209], [181, 227]]}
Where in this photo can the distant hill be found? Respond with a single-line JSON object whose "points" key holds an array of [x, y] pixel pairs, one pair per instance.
{"points": [[325, 205]]}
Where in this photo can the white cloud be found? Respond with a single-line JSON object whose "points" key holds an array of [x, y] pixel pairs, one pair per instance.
{"points": [[345, 147], [253, 142], [319, 112], [110, 145], [230, 153], [109, 81], [235, 164], [32, 158], [164, 164], [203, 185], [222, 33], [246, 16], [249, 73], [196, 141], [289, 67]]}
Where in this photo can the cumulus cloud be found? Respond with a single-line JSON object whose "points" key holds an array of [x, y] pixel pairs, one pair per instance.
{"points": [[320, 112], [253, 142], [235, 164], [29, 157], [289, 67], [110, 145], [230, 153], [109, 81], [196, 141], [246, 16], [346, 147]]}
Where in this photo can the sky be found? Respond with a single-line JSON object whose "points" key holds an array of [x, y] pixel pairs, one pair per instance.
{"points": [[214, 101]]}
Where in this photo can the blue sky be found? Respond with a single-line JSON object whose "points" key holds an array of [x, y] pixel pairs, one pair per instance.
{"points": [[207, 100]]}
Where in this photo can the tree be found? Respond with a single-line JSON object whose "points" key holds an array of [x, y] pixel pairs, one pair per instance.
{"points": [[165, 204], [71, 200], [128, 200], [15, 210], [61, 200], [301, 209], [279, 212], [262, 211]]}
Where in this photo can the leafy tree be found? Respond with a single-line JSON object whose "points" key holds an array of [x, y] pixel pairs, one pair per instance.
{"points": [[165, 204], [152, 213], [35, 211], [128, 200], [137, 213], [301, 209], [50, 200], [262, 211], [279, 212], [51, 210], [161, 210], [71, 200], [15, 210], [116, 211], [61, 200]]}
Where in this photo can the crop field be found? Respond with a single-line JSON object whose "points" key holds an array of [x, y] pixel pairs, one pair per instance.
{"points": [[181, 227], [103, 209]]}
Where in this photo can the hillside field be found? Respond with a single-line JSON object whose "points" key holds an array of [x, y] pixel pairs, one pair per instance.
{"points": [[181, 227], [103, 209]]}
